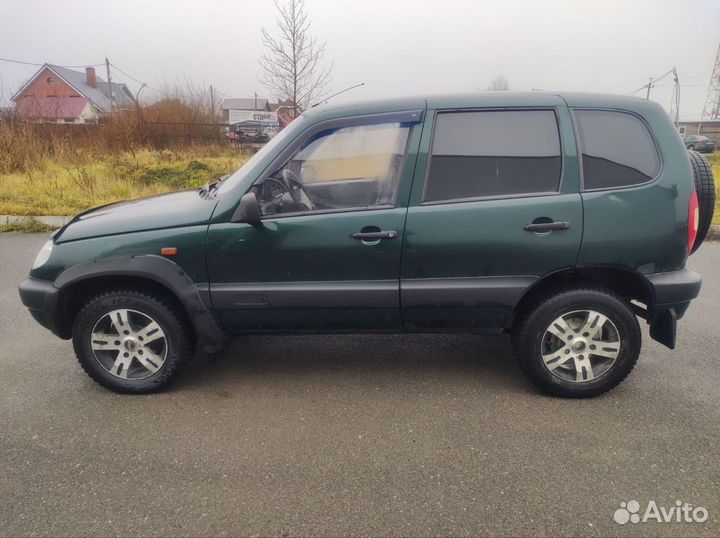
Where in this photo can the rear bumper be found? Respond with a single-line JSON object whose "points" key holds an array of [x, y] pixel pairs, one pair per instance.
{"points": [[41, 298], [672, 293], [674, 289]]}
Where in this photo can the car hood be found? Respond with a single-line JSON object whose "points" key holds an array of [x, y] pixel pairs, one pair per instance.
{"points": [[186, 208]]}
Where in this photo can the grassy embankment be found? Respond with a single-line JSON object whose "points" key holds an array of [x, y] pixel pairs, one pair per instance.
{"points": [[55, 187]]}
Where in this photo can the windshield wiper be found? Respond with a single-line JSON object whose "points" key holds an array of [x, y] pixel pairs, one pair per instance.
{"points": [[207, 190], [211, 187]]}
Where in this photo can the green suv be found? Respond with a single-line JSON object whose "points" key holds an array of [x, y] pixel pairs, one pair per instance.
{"points": [[559, 218]]}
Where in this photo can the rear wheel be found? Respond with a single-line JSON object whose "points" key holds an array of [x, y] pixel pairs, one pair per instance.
{"points": [[577, 342], [705, 190], [132, 342]]}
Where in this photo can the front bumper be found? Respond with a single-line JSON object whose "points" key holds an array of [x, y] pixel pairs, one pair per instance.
{"points": [[672, 293], [41, 298]]}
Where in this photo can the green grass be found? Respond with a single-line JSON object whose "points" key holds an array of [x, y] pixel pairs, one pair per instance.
{"points": [[57, 187], [27, 226]]}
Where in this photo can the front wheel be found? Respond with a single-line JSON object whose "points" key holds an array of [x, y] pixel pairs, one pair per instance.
{"points": [[577, 342], [130, 341]]}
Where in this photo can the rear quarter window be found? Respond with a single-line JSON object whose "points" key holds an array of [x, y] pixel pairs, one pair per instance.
{"points": [[478, 154], [617, 149]]}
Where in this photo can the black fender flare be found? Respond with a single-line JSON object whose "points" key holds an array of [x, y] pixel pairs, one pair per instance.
{"points": [[567, 274], [165, 272]]}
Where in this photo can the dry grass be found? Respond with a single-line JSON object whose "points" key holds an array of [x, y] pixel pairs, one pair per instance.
{"points": [[715, 162], [68, 186]]}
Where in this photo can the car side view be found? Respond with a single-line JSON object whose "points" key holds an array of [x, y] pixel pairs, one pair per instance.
{"points": [[557, 218], [699, 143]]}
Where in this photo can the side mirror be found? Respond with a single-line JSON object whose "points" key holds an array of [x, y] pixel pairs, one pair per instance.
{"points": [[248, 211]]}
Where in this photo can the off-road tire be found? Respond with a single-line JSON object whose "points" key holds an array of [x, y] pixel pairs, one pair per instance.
{"points": [[530, 328], [173, 321]]}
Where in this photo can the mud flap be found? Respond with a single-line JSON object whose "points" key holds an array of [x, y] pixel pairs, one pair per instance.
{"points": [[664, 328]]}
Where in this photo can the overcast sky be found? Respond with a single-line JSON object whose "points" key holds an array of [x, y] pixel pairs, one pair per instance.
{"points": [[397, 47]]}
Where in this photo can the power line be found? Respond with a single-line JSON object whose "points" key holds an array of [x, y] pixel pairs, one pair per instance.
{"points": [[638, 89], [684, 85], [220, 92], [136, 80], [653, 82], [40, 65]]}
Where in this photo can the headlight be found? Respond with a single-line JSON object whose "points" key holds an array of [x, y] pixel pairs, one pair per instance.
{"points": [[43, 255]]}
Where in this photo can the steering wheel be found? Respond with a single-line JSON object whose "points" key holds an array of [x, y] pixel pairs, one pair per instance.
{"points": [[295, 187]]}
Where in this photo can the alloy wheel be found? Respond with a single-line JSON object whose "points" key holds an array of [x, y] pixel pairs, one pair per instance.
{"points": [[580, 346], [129, 344]]}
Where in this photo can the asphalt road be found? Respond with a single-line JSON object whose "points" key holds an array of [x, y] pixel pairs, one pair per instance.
{"points": [[353, 435]]}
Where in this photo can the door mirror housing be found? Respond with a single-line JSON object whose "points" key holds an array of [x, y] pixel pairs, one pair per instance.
{"points": [[248, 211]]}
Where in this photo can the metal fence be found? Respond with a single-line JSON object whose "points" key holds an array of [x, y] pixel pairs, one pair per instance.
{"points": [[128, 130]]}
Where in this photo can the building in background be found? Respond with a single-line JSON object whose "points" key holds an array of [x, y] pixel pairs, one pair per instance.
{"points": [[709, 128], [235, 110], [249, 115], [63, 95]]}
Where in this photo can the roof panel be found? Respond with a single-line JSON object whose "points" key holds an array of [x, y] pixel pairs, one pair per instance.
{"points": [[243, 103], [98, 96]]}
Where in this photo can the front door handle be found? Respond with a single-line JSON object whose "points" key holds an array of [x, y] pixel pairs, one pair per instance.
{"points": [[374, 236], [546, 226]]}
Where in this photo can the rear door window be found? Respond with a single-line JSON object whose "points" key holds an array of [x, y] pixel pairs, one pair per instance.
{"points": [[617, 149], [493, 153]]}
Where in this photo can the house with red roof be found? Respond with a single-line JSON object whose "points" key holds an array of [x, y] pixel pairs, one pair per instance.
{"points": [[63, 95]]}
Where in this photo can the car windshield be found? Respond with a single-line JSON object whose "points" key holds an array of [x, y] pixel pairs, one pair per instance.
{"points": [[279, 140]]}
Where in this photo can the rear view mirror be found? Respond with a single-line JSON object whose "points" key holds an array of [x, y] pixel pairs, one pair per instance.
{"points": [[248, 211]]}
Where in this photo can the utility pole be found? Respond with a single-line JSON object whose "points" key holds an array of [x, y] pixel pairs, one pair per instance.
{"points": [[137, 101], [255, 100], [109, 80], [648, 88], [212, 102]]}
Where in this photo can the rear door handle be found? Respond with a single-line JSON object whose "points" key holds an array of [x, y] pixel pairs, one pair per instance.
{"points": [[546, 226], [372, 236]]}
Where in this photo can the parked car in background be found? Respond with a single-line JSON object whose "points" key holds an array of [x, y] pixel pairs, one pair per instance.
{"points": [[699, 143], [557, 218], [248, 131]]}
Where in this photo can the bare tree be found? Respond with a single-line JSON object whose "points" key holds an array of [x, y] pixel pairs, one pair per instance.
{"points": [[499, 84], [292, 66]]}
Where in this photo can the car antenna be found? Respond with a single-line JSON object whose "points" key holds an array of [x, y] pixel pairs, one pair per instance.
{"points": [[338, 93]]}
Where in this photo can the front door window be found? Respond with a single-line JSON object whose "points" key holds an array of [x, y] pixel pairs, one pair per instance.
{"points": [[341, 169]]}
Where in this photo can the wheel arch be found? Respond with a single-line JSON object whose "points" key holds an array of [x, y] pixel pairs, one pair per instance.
{"points": [[625, 282], [149, 273]]}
